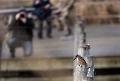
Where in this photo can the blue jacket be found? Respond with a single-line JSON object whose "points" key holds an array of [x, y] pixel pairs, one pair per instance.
{"points": [[39, 10]]}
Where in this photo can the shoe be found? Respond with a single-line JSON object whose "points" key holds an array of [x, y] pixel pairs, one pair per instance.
{"points": [[49, 36], [66, 37], [40, 36], [12, 55], [25, 55]]}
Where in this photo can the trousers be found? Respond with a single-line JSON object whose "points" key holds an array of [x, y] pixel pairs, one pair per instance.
{"points": [[49, 27], [27, 46]]}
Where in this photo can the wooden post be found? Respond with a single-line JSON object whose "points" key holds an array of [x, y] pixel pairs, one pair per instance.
{"points": [[83, 65], [3, 30], [0, 56]]}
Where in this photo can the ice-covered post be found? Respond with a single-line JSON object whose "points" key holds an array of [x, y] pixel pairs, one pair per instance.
{"points": [[83, 62]]}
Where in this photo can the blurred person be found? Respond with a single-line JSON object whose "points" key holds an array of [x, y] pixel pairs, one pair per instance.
{"points": [[43, 12], [63, 13], [22, 35]]}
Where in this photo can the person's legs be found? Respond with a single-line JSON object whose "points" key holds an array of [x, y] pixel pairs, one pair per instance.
{"points": [[40, 30], [28, 48], [67, 29], [12, 44], [69, 26], [49, 27]]}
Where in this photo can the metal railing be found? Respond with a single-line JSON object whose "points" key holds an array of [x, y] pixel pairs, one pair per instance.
{"points": [[10, 11]]}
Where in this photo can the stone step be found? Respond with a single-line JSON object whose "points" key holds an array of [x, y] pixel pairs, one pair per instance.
{"points": [[56, 69], [39, 79], [107, 61], [69, 78], [21, 64], [36, 64]]}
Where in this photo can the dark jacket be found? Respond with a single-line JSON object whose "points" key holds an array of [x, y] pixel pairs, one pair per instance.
{"points": [[45, 2], [22, 31], [39, 9]]}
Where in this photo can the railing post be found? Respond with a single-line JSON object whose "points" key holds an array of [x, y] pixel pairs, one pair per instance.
{"points": [[119, 10], [83, 65], [0, 55]]}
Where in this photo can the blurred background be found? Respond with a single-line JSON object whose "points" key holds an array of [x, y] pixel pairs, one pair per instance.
{"points": [[52, 59]]}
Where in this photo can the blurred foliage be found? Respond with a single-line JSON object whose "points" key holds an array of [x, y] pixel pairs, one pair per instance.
{"points": [[86, 11]]}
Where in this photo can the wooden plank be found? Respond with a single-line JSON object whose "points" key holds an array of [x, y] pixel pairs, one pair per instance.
{"points": [[55, 63], [39, 63], [42, 73], [69, 78], [57, 73], [104, 41], [107, 61]]}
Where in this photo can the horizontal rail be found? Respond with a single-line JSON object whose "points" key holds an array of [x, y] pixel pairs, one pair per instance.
{"points": [[12, 0], [78, 2], [8, 11], [41, 73]]}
